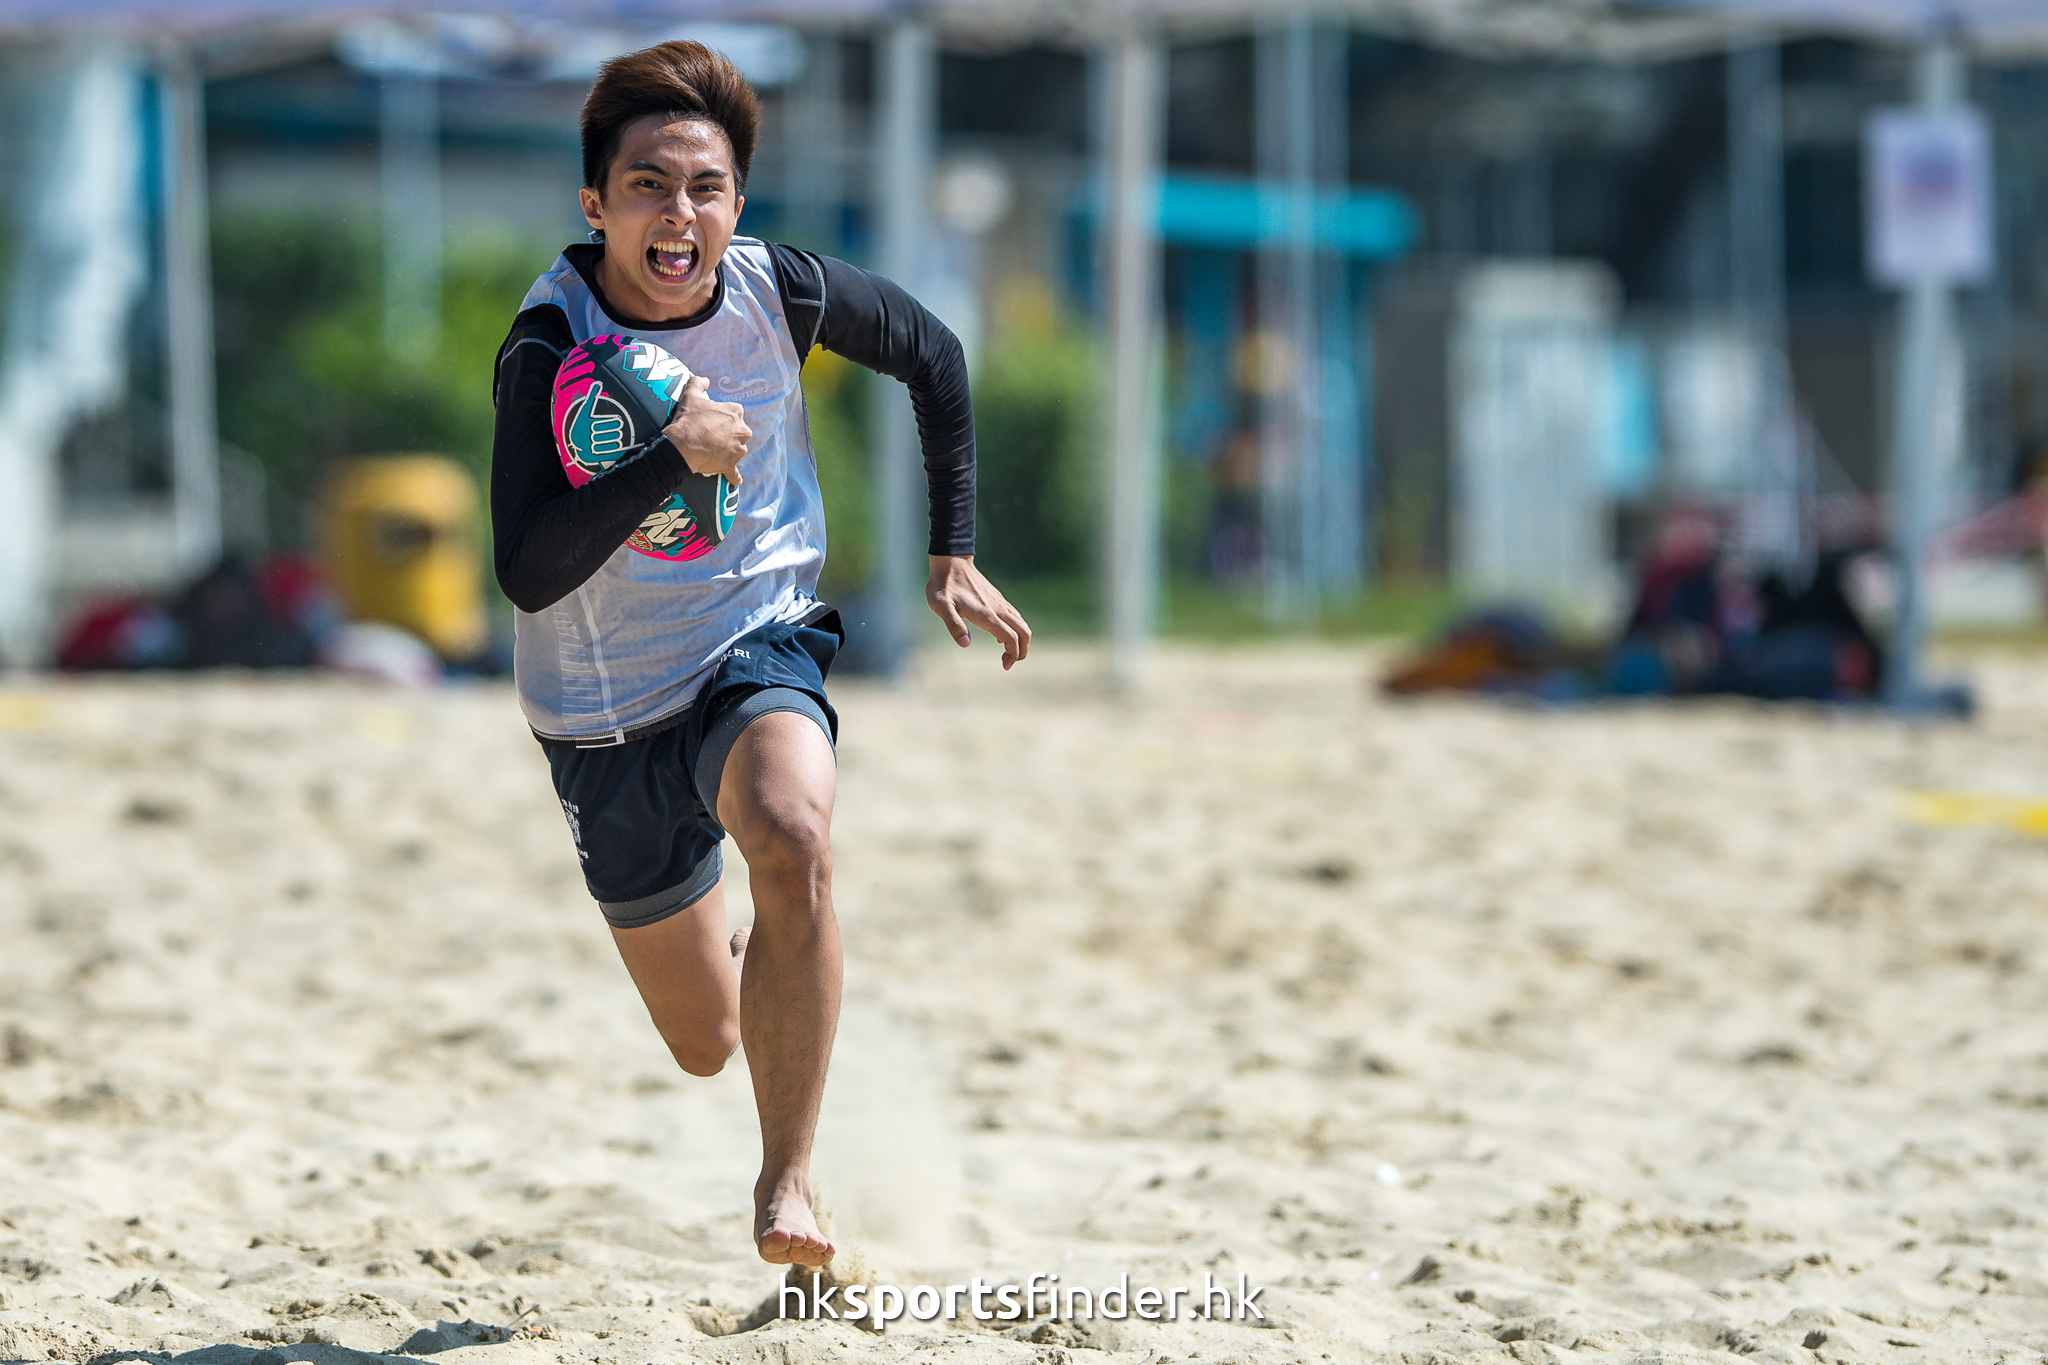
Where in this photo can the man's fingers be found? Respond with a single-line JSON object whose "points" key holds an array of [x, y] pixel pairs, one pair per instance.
{"points": [[1014, 619], [1021, 627], [997, 625], [1005, 622], [1006, 636], [698, 387], [950, 618]]}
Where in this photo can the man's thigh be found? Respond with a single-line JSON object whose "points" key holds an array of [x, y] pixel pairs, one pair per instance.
{"points": [[779, 782], [647, 844]]}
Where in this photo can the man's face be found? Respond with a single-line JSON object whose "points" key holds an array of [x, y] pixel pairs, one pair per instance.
{"points": [[669, 205]]}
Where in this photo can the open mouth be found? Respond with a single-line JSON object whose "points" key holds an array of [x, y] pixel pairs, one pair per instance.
{"points": [[673, 258]]}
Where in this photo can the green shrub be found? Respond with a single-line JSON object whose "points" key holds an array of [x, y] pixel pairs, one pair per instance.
{"points": [[1035, 434], [304, 375], [836, 395]]}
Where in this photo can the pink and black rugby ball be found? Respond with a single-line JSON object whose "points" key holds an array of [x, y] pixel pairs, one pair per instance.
{"points": [[614, 394]]}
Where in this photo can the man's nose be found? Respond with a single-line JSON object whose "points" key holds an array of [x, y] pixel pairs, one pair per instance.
{"points": [[681, 209]]}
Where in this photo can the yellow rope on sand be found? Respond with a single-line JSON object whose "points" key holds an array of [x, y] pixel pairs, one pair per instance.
{"points": [[1952, 809]]}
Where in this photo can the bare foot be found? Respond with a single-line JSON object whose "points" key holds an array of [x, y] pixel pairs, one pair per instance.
{"points": [[785, 1232]]}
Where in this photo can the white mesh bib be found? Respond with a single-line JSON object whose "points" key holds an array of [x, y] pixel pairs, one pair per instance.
{"points": [[635, 642]]}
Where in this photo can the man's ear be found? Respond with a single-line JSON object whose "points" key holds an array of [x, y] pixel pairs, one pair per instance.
{"points": [[593, 207]]}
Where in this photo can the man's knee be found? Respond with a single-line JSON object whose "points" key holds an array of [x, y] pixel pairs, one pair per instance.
{"points": [[776, 799], [792, 842], [704, 1052]]}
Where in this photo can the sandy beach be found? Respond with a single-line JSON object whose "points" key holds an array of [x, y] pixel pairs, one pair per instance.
{"points": [[1468, 1032]]}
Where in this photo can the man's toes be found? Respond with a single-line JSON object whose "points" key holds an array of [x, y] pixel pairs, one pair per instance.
{"points": [[779, 1246]]}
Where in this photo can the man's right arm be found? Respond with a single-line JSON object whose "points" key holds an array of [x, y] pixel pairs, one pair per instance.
{"points": [[550, 536]]}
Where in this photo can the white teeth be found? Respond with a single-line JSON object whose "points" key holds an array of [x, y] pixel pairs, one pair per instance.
{"points": [[675, 247]]}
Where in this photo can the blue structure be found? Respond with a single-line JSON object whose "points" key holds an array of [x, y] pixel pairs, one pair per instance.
{"points": [[1228, 211], [1217, 224]]}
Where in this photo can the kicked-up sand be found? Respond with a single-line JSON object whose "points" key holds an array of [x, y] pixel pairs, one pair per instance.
{"points": [[1466, 1032]]}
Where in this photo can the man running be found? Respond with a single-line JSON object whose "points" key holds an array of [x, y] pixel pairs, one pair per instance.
{"points": [[679, 685]]}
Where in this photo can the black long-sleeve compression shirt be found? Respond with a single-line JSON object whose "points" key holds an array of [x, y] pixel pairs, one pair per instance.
{"points": [[552, 536]]}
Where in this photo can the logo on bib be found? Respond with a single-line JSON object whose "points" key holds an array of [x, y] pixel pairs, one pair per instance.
{"points": [[612, 396]]}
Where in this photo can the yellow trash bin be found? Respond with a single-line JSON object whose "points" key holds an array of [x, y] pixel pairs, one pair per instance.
{"points": [[400, 536]]}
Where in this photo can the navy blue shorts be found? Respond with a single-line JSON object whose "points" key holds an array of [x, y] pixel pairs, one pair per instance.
{"points": [[644, 813]]}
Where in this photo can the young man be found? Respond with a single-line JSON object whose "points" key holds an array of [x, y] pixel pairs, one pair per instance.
{"points": [[677, 680]]}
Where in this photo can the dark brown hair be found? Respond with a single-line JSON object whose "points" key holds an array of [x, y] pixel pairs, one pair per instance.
{"points": [[678, 79]]}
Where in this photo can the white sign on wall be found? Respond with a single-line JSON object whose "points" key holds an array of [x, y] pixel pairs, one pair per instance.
{"points": [[1532, 355], [1927, 179]]}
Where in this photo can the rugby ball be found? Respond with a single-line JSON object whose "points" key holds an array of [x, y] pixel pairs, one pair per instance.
{"points": [[613, 395]]}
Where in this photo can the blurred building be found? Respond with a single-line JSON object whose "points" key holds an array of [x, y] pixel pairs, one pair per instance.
{"points": [[1330, 379]]}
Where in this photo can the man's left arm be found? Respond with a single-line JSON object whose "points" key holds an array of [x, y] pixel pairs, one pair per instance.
{"points": [[875, 323]]}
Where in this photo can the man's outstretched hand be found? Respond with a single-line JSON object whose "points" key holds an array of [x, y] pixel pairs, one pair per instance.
{"points": [[959, 596]]}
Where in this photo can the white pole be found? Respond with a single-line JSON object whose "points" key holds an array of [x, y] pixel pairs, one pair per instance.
{"points": [[1925, 338], [905, 134], [409, 156], [188, 308], [1339, 502], [812, 157], [1285, 97], [1776, 524], [1756, 176], [1133, 152]]}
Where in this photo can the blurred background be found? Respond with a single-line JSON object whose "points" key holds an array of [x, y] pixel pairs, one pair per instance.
{"points": [[1332, 319], [1593, 349]]}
